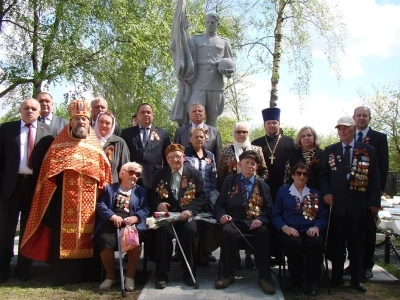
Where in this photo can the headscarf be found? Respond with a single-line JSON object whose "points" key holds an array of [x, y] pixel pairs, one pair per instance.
{"points": [[103, 139], [238, 147]]}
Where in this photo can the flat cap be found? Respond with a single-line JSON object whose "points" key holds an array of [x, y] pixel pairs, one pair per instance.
{"points": [[250, 154], [173, 148]]}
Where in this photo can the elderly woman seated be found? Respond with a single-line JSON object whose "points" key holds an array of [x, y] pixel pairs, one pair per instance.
{"points": [[244, 204], [121, 204], [300, 217]]}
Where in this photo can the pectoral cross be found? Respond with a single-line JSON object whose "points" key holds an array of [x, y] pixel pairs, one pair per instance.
{"points": [[271, 158]]}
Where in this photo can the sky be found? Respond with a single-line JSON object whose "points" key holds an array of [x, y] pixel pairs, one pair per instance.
{"points": [[372, 57]]}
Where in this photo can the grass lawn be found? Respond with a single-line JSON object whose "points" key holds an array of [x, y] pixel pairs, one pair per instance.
{"points": [[39, 287]]}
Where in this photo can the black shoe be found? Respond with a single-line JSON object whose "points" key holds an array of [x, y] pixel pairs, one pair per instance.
{"points": [[298, 291], [21, 275], [367, 274], [312, 290], [188, 279], [211, 258], [4, 276], [336, 283], [359, 287], [162, 280], [346, 271], [249, 262]]}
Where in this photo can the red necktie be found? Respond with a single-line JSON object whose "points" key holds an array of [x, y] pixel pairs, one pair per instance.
{"points": [[31, 144]]}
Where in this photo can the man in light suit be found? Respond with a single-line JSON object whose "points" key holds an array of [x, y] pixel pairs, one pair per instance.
{"points": [[23, 145], [46, 112], [213, 138], [146, 144], [349, 183], [378, 140]]}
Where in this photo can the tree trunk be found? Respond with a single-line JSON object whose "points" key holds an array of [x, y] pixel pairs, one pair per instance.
{"points": [[276, 60]]}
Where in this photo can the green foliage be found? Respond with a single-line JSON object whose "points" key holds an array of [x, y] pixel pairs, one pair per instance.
{"points": [[328, 139], [384, 104], [225, 126], [290, 131], [61, 111]]}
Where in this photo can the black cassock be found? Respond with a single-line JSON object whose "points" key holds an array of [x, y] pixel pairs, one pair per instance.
{"points": [[276, 162]]}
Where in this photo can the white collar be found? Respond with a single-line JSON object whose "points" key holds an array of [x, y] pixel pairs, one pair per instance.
{"points": [[294, 192]]}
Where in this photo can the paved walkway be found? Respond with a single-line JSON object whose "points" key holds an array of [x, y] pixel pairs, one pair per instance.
{"points": [[245, 287]]}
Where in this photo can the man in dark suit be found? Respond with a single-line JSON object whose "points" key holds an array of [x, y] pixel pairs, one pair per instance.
{"points": [[99, 105], [378, 140], [146, 144], [246, 202], [177, 188], [23, 145], [213, 139], [46, 112], [349, 183]]}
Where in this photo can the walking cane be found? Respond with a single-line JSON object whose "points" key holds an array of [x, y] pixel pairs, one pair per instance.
{"points": [[326, 250], [196, 285], [121, 269], [246, 240]]}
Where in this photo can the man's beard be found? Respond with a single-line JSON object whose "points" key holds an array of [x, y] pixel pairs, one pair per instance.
{"points": [[80, 132]]}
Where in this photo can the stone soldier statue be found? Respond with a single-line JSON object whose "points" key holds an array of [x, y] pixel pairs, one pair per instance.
{"points": [[199, 64]]}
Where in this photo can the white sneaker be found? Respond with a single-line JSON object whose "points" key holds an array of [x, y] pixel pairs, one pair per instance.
{"points": [[129, 284], [107, 284]]}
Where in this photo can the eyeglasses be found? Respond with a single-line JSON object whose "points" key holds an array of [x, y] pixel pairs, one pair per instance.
{"points": [[131, 173], [299, 173], [241, 131]]}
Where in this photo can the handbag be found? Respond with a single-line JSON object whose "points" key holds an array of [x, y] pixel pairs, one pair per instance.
{"points": [[129, 238]]}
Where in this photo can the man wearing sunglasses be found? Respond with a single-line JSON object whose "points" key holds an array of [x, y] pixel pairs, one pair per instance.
{"points": [[177, 188], [350, 185]]}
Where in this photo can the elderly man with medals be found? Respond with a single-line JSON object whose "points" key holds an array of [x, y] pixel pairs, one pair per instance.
{"points": [[177, 188], [74, 172], [244, 206], [349, 184]]}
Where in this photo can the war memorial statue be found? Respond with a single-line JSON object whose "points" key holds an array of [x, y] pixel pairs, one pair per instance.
{"points": [[200, 63]]}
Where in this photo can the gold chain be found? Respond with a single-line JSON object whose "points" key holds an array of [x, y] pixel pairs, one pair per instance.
{"points": [[272, 157]]}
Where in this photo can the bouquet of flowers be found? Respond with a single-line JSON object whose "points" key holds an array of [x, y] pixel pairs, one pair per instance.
{"points": [[162, 218]]}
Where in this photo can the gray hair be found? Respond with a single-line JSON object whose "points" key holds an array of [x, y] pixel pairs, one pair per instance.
{"points": [[97, 99], [132, 164], [197, 104], [23, 102]]}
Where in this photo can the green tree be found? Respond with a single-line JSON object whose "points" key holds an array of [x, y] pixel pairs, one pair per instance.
{"points": [[225, 126], [384, 104], [283, 32]]}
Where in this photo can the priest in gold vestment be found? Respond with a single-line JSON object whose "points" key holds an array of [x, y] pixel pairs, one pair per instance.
{"points": [[74, 172]]}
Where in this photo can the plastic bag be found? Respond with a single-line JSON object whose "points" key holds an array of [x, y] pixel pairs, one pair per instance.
{"points": [[129, 238]]}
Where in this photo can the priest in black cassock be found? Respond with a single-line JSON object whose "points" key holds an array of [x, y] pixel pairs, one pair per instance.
{"points": [[276, 149]]}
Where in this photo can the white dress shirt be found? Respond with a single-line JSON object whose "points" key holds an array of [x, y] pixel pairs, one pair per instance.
{"points": [[23, 164]]}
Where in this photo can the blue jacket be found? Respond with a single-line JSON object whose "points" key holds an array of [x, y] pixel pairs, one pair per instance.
{"points": [[284, 212], [138, 206]]}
